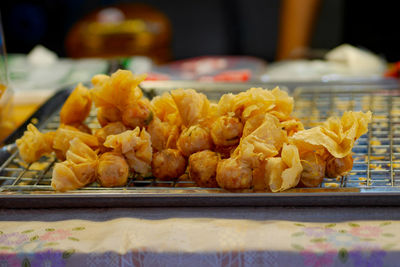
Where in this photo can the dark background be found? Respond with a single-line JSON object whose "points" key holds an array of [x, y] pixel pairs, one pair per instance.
{"points": [[213, 27]]}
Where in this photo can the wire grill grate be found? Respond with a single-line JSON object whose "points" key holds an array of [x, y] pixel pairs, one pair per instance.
{"points": [[376, 154]]}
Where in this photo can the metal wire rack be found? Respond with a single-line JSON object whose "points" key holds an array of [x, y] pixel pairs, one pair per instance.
{"points": [[376, 156]]}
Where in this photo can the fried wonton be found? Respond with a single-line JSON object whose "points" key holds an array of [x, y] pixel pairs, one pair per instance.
{"points": [[257, 101], [135, 145], [34, 144], [120, 90], [65, 134], [77, 106], [264, 139], [336, 135], [193, 106], [78, 170], [283, 172]]}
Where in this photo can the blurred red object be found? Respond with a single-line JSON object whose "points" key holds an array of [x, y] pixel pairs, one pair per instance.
{"points": [[121, 31], [229, 76], [394, 71]]}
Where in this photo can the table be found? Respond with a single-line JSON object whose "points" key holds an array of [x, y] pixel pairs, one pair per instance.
{"points": [[223, 236]]}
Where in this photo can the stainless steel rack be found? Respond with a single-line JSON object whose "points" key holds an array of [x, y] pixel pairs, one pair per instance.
{"points": [[374, 180]]}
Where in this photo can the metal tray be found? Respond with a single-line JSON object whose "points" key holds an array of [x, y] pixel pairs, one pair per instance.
{"points": [[374, 180]]}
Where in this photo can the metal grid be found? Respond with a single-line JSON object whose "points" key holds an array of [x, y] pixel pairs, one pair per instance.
{"points": [[376, 154]]}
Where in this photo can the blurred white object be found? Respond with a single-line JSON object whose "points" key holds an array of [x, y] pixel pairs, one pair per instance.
{"points": [[41, 56], [358, 61], [37, 75], [344, 62]]}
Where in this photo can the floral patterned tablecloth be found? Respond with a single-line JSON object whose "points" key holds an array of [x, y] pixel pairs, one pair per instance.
{"points": [[198, 241]]}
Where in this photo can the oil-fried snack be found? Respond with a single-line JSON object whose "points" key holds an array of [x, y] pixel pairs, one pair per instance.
{"points": [[33, 144], [203, 168], [232, 173], [120, 90], [163, 134], [65, 134], [337, 136], [225, 151], [77, 106], [106, 115], [193, 107], [138, 114], [292, 126], [81, 127], [338, 167], [112, 128], [135, 145], [284, 172], [266, 140], [112, 170], [168, 164], [78, 170], [193, 139], [165, 109], [313, 169], [226, 131], [257, 101]]}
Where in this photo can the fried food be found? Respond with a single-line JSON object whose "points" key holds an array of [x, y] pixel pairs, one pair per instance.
{"points": [[193, 139], [110, 129], [33, 144], [257, 101], [336, 135], [168, 164], [203, 168], [166, 110], [113, 170], [266, 140], [138, 114], [78, 170], [247, 140], [163, 134], [106, 115], [338, 167], [193, 107], [135, 146], [313, 169], [226, 131], [284, 172], [65, 134], [77, 106], [232, 173], [120, 90], [292, 126]]}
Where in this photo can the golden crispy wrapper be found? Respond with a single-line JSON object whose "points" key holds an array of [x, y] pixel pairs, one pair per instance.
{"points": [[336, 136]]}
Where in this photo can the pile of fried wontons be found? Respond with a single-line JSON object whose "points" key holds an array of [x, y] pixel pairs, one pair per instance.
{"points": [[247, 140]]}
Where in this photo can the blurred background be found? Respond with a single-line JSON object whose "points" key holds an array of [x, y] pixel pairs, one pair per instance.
{"points": [[208, 27], [52, 44]]}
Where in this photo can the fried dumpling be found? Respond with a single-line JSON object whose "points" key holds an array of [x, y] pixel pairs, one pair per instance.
{"points": [[203, 168], [265, 139], [337, 136], [168, 164], [34, 144], [135, 145], [194, 139], [112, 170], [78, 170], [193, 107], [283, 172], [65, 134], [77, 106], [120, 90]]}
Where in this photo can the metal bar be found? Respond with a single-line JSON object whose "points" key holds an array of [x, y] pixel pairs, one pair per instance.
{"points": [[369, 143]]}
